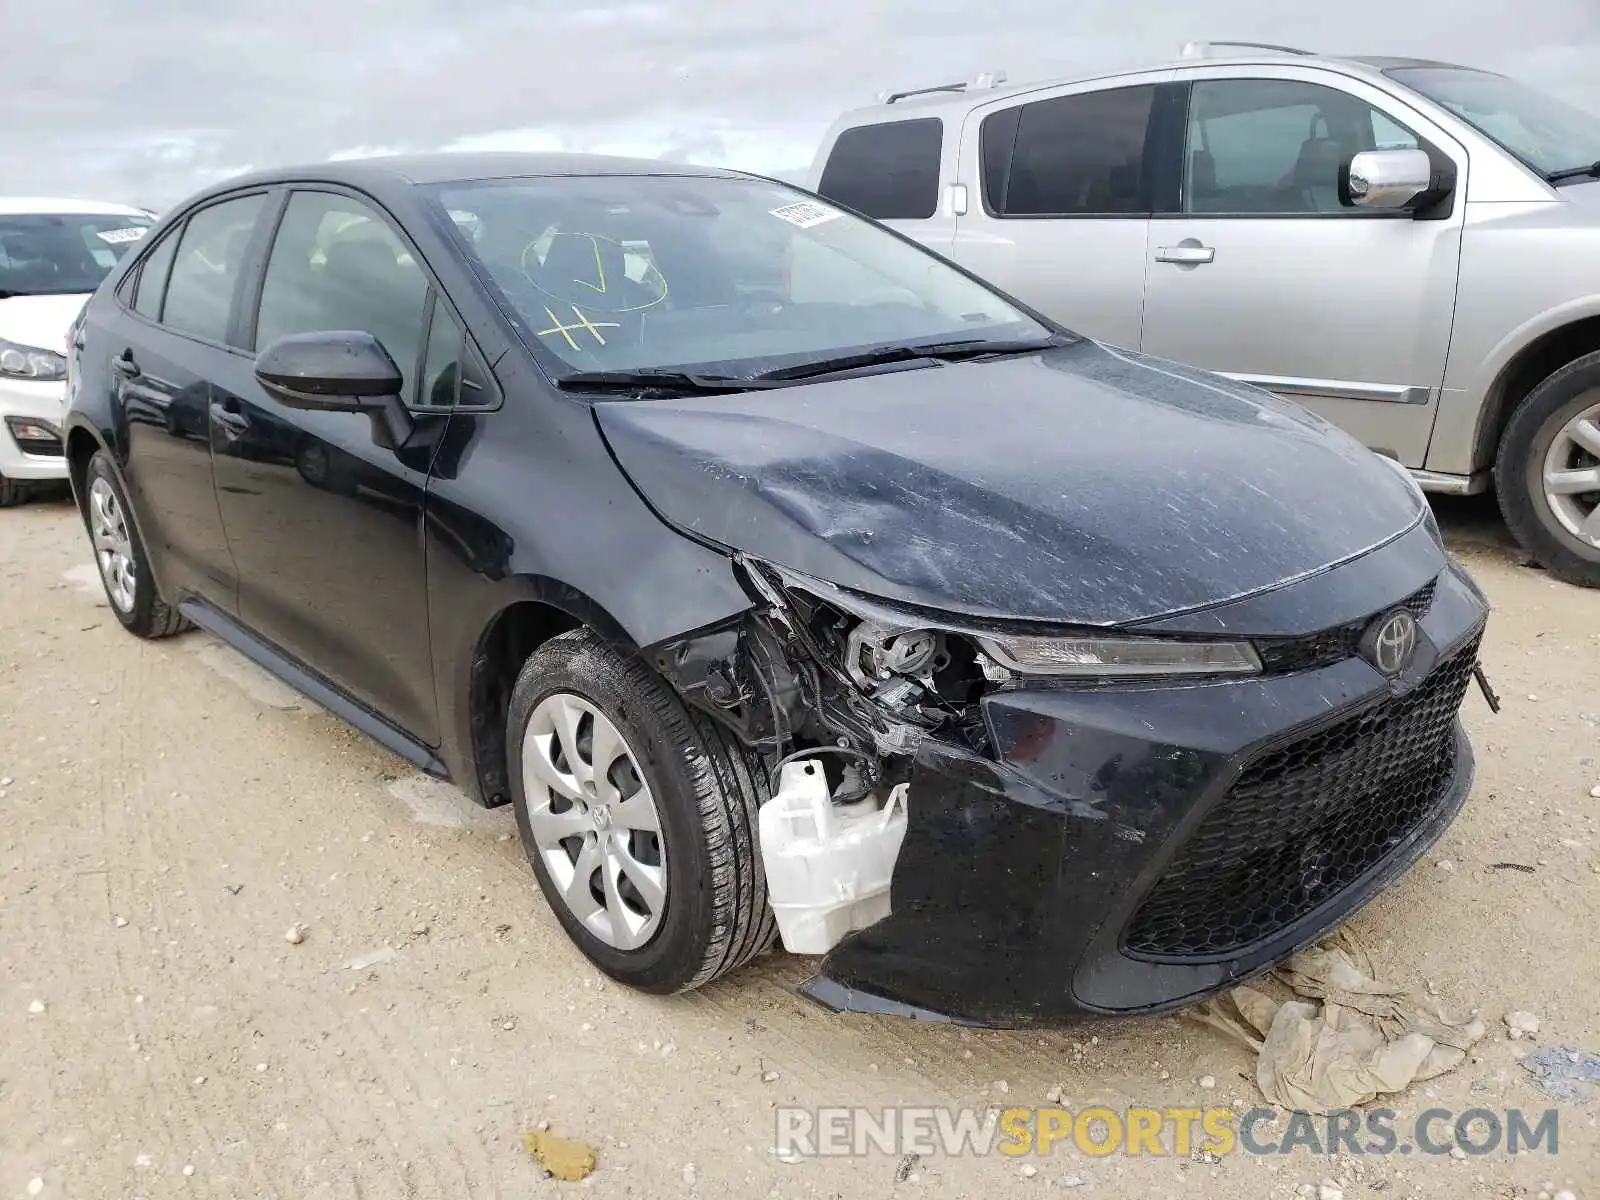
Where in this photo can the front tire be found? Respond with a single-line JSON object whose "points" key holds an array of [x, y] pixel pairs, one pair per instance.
{"points": [[120, 556], [1547, 472], [639, 817]]}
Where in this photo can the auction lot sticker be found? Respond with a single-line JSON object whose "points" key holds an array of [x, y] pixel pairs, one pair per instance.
{"points": [[803, 214]]}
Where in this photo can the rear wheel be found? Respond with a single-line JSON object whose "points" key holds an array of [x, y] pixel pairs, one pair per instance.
{"points": [[639, 817], [1547, 473], [120, 556]]}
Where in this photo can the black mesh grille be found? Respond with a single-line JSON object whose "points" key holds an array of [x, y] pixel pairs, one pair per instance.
{"points": [[1303, 823], [1280, 656]]}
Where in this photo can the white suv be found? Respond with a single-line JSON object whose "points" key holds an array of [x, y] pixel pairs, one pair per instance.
{"points": [[1411, 249], [53, 254]]}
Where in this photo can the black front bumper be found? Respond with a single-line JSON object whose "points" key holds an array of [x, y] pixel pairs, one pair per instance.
{"points": [[1134, 849]]}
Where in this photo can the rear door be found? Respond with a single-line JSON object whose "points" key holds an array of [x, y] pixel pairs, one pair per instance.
{"points": [[166, 348], [1060, 185], [324, 522], [1264, 275]]}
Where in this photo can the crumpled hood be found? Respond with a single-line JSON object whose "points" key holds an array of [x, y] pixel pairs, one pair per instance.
{"points": [[39, 321], [1082, 485]]}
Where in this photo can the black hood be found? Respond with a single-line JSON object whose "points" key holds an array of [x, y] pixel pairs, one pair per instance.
{"points": [[1080, 485]]}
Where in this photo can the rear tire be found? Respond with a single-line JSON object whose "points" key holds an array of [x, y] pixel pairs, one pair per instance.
{"points": [[120, 556], [710, 914], [1551, 525]]}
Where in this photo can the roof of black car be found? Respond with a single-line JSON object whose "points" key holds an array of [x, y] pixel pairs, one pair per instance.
{"points": [[450, 166]]}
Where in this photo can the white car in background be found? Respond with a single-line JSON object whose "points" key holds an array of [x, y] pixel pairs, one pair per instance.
{"points": [[53, 254]]}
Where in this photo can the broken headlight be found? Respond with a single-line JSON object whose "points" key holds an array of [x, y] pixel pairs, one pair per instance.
{"points": [[1099, 657]]}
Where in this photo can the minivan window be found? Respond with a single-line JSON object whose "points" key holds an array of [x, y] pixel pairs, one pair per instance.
{"points": [[210, 256], [1276, 145], [336, 264], [726, 275], [63, 254], [887, 171], [1547, 134], [1080, 155]]}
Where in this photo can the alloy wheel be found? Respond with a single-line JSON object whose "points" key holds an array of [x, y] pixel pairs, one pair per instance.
{"points": [[594, 820], [1572, 476], [113, 547]]}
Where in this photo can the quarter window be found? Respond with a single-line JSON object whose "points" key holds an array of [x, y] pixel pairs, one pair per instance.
{"points": [[887, 171], [441, 369], [1277, 145], [1080, 155], [210, 256], [337, 265], [152, 285]]}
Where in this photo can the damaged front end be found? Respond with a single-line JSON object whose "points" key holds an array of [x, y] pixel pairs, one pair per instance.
{"points": [[1096, 821]]}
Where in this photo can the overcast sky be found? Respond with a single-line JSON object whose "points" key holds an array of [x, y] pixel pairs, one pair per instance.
{"points": [[146, 101]]}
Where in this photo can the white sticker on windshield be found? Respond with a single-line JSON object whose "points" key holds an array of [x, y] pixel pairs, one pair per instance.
{"points": [[117, 236], [803, 214]]}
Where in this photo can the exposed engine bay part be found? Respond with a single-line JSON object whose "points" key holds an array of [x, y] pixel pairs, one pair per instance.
{"points": [[810, 668], [828, 865]]}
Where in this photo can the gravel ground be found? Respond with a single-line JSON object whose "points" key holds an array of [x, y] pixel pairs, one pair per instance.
{"points": [[169, 813]]}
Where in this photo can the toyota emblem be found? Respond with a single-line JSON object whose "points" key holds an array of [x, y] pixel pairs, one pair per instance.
{"points": [[1391, 641]]}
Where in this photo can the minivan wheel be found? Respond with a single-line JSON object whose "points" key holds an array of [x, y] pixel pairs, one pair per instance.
{"points": [[1547, 473], [120, 556], [639, 817]]}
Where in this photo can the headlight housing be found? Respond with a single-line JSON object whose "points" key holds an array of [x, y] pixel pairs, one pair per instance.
{"points": [[31, 362], [1096, 657]]}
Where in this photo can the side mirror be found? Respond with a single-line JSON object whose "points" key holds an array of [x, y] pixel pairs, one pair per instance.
{"points": [[337, 371], [1386, 178]]}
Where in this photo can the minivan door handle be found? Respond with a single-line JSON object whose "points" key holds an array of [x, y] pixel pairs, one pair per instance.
{"points": [[1191, 254]]}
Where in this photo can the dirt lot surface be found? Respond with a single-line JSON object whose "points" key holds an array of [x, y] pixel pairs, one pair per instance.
{"points": [[169, 812]]}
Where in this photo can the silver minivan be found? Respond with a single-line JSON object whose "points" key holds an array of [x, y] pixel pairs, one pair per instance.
{"points": [[1409, 248]]}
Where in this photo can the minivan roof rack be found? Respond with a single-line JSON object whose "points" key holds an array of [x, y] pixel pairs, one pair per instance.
{"points": [[1202, 49], [980, 82]]}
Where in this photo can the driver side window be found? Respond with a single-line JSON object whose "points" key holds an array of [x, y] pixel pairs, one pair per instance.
{"points": [[1276, 146], [337, 265]]}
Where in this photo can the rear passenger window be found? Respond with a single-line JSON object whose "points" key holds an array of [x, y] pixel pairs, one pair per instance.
{"points": [[153, 278], [210, 256], [1079, 155], [888, 171]]}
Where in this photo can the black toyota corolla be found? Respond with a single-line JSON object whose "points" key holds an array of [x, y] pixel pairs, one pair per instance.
{"points": [[604, 487]]}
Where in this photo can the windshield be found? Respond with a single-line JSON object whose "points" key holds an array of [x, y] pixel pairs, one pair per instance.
{"points": [[57, 254], [1547, 134], [726, 277]]}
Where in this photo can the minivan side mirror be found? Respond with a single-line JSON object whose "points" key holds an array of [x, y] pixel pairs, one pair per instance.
{"points": [[337, 371], [1389, 179]]}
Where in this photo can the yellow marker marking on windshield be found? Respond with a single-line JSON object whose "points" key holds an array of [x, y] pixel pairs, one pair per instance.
{"points": [[582, 322]]}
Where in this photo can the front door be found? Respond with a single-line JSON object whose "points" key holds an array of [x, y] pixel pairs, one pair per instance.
{"points": [[324, 523], [1265, 276]]}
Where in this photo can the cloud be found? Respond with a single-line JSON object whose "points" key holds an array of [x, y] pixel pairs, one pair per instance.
{"points": [[150, 102]]}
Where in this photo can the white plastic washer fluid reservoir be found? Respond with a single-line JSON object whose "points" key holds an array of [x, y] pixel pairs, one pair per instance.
{"points": [[828, 865]]}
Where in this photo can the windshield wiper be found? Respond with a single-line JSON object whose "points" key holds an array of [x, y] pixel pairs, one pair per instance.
{"points": [[1592, 171], [634, 381], [947, 351]]}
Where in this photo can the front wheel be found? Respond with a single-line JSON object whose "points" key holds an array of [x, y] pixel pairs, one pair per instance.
{"points": [[120, 556], [639, 817], [1547, 472]]}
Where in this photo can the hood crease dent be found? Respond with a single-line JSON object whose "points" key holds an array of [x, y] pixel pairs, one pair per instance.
{"points": [[1080, 485]]}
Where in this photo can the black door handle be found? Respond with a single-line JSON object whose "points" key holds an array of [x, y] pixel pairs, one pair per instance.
{"points": [[234, 423], [123, 364]]}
